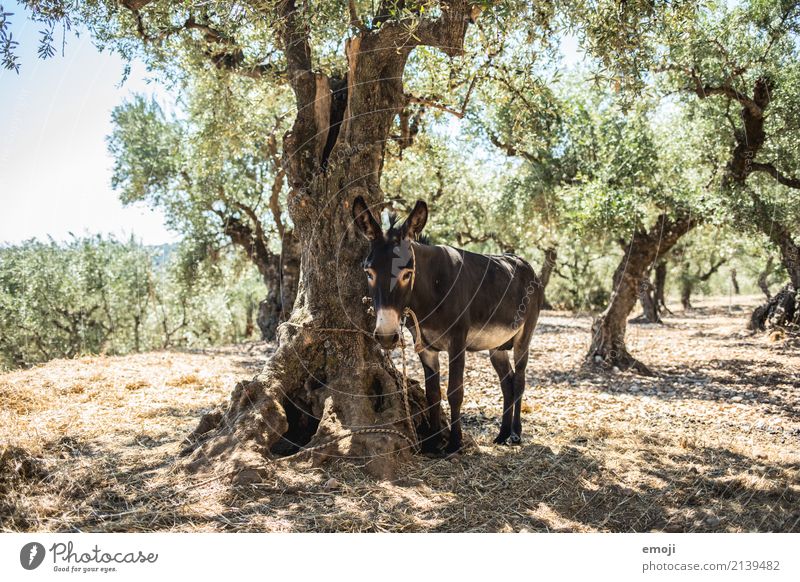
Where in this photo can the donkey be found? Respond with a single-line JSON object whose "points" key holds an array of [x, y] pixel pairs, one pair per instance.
{"points": [[463, 301]]}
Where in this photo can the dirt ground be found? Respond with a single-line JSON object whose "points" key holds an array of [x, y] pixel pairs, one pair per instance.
{"points": [[710, 444]]}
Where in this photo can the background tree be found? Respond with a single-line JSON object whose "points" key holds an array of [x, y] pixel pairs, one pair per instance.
{"points": [[98, 295], [750, 63], [216, 172], [699, 257], [739, 65], [598, 172]]}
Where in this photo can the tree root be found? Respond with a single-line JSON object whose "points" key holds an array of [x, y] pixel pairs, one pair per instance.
{"points": [[620, 359], [287, 410], [781, 312]]}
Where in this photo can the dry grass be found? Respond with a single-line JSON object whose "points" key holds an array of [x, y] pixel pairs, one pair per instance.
{"points": [[712, 444]]}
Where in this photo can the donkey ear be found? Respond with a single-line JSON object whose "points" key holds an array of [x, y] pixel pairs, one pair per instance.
{"points": [[364, 220], [415, 221]]}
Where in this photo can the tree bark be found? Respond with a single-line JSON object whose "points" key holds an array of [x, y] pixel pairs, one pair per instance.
{"points": [[281, 279], [687, 286], [550, 258], [608, 347], [328, 385], [734, 282], [660, 294], [650, 311], [762, 278]]}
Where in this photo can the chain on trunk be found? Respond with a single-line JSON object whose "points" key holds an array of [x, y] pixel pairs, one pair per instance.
{"points": [[413, 439]]}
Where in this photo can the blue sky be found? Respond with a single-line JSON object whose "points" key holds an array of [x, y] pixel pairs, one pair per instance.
{"points": [[55, 173]]}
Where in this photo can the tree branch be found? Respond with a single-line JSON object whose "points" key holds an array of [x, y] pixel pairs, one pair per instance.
{"points": [[433, 102], [277, 182], [231, 59], [445, 32], [466, 236], [510, 150], [714, 268], [704, 90], [299, 144], [243, 236], [355, 20], [773, 171]]}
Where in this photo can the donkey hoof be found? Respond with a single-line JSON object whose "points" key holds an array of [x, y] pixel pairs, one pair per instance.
{"points": [[432, 448], [514, 439], [453, 449], [501, 439]]}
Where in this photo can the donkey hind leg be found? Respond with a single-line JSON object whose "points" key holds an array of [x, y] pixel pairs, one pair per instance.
{"points": [[520, 363], [502, 365]]}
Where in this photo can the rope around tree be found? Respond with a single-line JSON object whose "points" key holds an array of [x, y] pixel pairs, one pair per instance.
{"points": [[412, 440]]}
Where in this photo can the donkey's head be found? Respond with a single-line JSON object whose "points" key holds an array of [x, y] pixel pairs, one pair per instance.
{"points": [[390, 267]]}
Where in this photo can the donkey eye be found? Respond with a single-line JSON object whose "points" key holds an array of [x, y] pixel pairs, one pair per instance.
{"points": [[406, 277], [370, 274]]}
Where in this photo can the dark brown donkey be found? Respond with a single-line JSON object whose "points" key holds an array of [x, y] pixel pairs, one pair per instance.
{"points": [[464, 302]]}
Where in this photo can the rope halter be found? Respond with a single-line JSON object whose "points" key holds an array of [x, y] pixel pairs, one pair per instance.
{"points": [[408, 312]]}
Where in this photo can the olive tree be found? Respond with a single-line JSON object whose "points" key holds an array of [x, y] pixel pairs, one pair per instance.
{"points": [[345, 65], [738, 64], [215, 169]]}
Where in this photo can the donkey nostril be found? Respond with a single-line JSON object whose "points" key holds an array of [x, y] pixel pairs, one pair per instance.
{"points": [[387, 340]]}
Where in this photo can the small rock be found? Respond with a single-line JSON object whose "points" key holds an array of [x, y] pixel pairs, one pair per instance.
{"points": [[712, 521], [331, 484], [247, 477]]}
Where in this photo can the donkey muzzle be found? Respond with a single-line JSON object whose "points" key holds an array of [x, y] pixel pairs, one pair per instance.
{"points": [[387, 328]]}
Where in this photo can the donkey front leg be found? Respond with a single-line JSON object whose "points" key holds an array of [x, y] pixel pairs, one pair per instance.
{"points": [[502, 366], [433, 395], [455, 397]]}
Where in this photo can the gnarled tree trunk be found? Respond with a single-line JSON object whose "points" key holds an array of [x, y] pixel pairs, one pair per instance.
{"points": [[734, 282], [762, 278], [782, 311], [650, 311], [328, 384], [550, 258], [281, 279], [608, 330], [660, 283]]}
